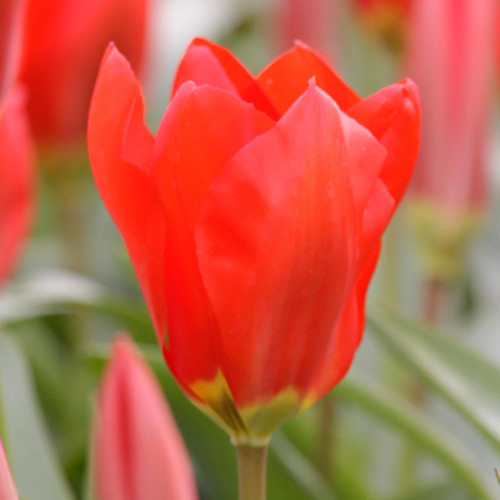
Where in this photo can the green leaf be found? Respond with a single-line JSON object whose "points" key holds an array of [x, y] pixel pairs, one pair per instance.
{"points": [[34, 465], [300, 467], [467, 380], [416, 426], [60, 292]]}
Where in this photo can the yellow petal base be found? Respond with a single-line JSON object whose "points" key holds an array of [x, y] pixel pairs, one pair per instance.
{"points": [[251, 425]]}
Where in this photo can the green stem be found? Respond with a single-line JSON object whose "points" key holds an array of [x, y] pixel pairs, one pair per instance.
{"points": [[252, 472]]}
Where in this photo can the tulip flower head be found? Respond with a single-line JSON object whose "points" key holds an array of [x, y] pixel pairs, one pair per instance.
{"points": [[253, 220], [7, 487], [139, 452], [16, 180], [62, 47], [451, 58]]}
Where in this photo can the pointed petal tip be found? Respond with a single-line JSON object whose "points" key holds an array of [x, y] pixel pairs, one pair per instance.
{"points": [[409, 89], [122, 343], [112, 55], [312, 81]]}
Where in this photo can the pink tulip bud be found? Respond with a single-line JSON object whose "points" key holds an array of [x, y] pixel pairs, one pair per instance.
{"points": [[451, 55], [7, 488], [139, 452], [314, 22]]}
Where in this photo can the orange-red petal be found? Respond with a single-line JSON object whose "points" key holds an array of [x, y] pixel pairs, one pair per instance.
{"points": [[287, 77], [276, 246], [120, 149], [202, 129], [16, 180], [208, 63], [347, 335], [393, 116]]}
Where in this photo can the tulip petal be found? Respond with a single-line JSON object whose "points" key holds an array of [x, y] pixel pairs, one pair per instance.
{"points": [[339, 354], [208, 63], [7, 487], [202, 129], [287, 77], [139, 452], [17, 180], [393, 116], [120, 150], [275, 243]]}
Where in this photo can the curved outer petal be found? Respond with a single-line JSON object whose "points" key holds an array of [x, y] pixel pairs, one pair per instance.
{"points": [[287, 77], [120, 150], [7, 487], [16, 180], [276, 245], [11, 18], [63, 45], [347, 335], [139, 452], [393, 116], [208, 63], [201, 130]]}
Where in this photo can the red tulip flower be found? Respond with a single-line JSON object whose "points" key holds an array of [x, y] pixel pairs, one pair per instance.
{"points": [[7, 488], [451, 58], [253, 220], [63, 44], [139, 452], [16, 180]]}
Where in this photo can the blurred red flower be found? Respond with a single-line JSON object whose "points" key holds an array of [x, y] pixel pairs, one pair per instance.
{"points": [[369, 5], [7, 488], [139, 452], [16, 180], [451, 57], [253, 220], [63, 44], [11, 18], [314, 22], [386, 19]]}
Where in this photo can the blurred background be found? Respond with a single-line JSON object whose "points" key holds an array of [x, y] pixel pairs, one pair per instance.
{"points": [[418, 416]]}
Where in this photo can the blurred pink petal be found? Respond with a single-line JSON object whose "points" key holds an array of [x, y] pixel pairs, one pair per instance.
{"points": [[139, 451], [450, 58], [314, 22], [7, 488]]}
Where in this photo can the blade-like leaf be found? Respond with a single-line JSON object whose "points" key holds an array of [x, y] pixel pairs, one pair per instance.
{"points": [[416, 426], [33, 461], [61, 292], [463, 377]]}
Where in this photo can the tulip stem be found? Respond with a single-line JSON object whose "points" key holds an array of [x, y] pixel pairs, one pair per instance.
{"points": [[433, 297], [252, 472]]}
